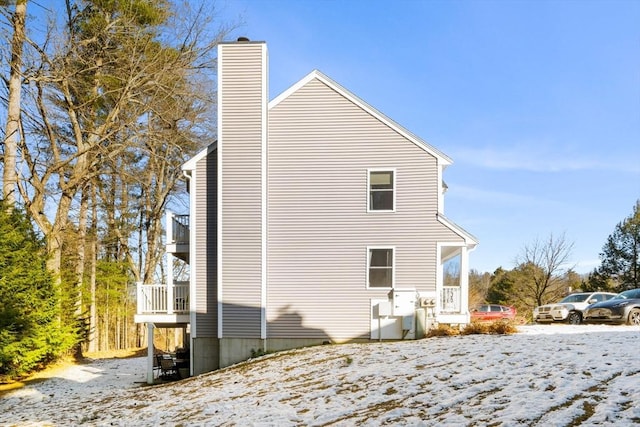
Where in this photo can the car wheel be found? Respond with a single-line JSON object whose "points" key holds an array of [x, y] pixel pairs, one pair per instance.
{"points": [[634, 317], [574, 318]]}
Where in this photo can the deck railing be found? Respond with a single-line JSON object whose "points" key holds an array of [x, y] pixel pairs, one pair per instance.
{"points": [[177, 228], [451, 299], [163, 299]]}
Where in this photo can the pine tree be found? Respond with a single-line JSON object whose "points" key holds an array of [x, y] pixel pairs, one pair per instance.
{"points": [[30, 331], [501, 287], [620, 257]]}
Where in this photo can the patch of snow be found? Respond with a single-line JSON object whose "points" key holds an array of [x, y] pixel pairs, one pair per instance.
{"points": [[543, 375]]}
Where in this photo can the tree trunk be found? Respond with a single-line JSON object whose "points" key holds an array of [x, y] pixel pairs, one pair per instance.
{"points": [[81, 245], [55, 237], [12, 130], [93, 321]]}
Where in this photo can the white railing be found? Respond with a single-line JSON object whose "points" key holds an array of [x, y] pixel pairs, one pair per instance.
{"points": [[154, 299], [450, 300], [177, 228]]}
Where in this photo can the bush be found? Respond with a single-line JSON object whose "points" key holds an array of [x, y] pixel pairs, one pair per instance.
{"points": [[499, 327], [503, 327], [475, 328], [443, 330]]}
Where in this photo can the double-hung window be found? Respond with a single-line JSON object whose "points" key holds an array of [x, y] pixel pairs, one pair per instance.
{"points": [[381, 187], [380, 267]]}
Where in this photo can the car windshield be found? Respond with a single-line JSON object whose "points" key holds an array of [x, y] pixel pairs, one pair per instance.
{"points": [[576, 298], [628, 294]]}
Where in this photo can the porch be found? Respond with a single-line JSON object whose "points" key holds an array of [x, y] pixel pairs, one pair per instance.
{"points": [[167, 303], [452, 285], [162, 303]]}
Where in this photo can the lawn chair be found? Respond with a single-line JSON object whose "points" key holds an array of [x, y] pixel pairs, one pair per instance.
{"points": [[156, 365], [168, 368]]}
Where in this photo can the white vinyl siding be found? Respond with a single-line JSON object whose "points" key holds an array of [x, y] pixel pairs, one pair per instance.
{"points": [[241, 133], [204, 259], [320, 148]]}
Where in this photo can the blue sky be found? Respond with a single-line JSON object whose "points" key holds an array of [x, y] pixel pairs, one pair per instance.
{"points": [[537, 102]]}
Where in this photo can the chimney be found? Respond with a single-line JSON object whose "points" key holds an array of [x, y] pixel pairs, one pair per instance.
{"points": [[241, 184]]}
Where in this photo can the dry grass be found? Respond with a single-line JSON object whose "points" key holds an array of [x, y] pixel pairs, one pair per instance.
{"points": [[117, 354]]}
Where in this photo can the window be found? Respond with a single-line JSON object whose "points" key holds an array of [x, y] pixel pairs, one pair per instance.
{"points": [[381, 190], [380, 271], [451, 271]]}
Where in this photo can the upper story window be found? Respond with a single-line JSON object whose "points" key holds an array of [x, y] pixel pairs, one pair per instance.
{"points": [[380, 268], [381, 190]]}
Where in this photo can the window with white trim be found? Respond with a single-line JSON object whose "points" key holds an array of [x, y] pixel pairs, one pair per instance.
{"points": [[381, 184], [380, 268]]}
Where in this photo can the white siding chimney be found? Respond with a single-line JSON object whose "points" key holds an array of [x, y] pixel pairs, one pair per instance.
{"points": [[242, 145]]}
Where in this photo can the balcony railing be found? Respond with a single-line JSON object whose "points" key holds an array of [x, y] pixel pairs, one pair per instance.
{"points": [[177, 228], [163, 299], [451, 299]]}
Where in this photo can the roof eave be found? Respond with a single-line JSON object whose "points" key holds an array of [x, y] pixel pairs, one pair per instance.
{"points": [[190, 164], [470, 240]]}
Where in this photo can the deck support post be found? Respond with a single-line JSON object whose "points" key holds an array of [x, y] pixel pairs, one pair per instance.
{"points": [[150, 355], [170, 289]]}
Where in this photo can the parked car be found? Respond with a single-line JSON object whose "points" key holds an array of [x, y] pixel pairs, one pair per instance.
{"points": [[570, 308], [623, 308], [493, 312]]}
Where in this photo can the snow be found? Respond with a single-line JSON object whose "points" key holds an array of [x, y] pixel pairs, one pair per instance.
{"points": [[559, 375]]}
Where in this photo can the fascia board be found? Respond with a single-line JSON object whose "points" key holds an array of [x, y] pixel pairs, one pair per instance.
{"points": [[190, 164], [468, 237], [292, 89]]}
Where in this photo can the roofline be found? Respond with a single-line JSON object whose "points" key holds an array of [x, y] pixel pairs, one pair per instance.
{"points": [[190, 164], [469, 238], [315, 74]]}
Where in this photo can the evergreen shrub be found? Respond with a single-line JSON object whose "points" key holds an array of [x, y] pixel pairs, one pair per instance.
{"points": [[31, 334]]}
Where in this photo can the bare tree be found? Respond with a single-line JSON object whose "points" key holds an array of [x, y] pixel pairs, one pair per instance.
{"points": [[544, 264], [479, 284], [114, 102]]}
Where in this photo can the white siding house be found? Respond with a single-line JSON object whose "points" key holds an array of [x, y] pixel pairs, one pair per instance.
{"points": [[314, 219]]}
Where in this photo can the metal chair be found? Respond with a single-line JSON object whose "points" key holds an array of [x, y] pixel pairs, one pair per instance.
{"points": [[156, 365], [168, 368]]}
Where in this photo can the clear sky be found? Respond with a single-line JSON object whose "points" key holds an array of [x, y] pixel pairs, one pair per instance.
{"points": [[536, 102]]}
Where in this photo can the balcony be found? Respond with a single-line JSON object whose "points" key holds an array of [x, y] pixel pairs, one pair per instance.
{"points": [[162, 304], [177, 239]]}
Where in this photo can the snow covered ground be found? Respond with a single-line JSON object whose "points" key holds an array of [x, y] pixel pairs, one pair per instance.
{"points": [[558, 375]]}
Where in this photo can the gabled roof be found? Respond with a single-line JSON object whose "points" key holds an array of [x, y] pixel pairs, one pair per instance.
{"points": [[315, 74], [191, 163]]}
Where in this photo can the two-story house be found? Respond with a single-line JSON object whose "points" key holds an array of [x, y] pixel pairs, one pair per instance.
{"points": [[313, 219]]}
